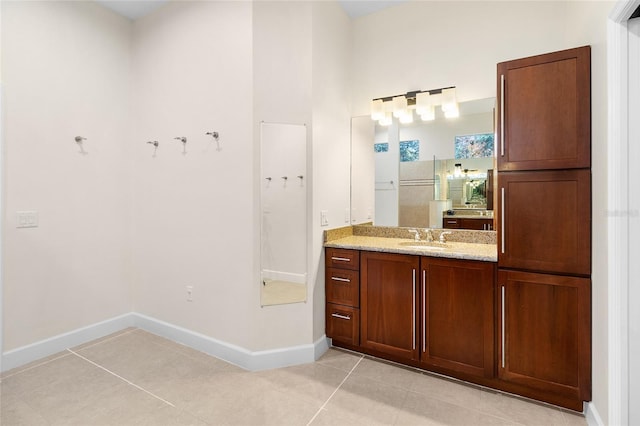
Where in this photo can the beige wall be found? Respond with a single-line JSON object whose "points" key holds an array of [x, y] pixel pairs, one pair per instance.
{"points": [[123, 230], [192, 213], [331, 82], [65, 73]]}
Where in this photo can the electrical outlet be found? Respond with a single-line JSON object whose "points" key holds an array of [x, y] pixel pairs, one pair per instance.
{"points": [[27, 219], [189, 293]]}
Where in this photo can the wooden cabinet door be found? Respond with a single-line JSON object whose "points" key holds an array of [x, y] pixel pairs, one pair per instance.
{"points": [[545, 221], [457, 315], [544, 332], [544, 111], [388, 303]]}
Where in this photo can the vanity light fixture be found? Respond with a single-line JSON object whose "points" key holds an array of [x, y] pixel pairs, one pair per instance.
{"points": [[457, 171], [424, 102]]}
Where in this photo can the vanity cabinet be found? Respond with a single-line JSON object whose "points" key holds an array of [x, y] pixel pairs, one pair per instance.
{"points": [[544, 334], [544, 111], [457, 316], [389, 304], [468, 223], [342, 290]]}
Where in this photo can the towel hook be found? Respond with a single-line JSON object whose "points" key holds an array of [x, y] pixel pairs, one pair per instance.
{"points": [[216, 136], [184, 143], [79, 140]]}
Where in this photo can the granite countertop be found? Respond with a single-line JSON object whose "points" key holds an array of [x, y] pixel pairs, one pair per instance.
{"points": [[450, 249]]}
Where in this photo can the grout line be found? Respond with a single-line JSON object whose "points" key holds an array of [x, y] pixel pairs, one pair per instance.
{"points": [[107, 339], [33, 366], [122, 378], [334, 392]]}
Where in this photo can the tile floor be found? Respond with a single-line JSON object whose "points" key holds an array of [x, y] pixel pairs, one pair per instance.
{"points": [[136, 378]]}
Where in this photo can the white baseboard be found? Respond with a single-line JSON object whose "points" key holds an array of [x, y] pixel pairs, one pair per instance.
{"points": [[592, 415], [252, 361], [44, 348]]}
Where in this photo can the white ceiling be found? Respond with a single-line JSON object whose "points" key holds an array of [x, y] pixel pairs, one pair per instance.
{"points": [[134, 9]]}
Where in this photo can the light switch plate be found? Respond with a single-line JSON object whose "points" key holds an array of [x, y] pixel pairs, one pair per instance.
{"points": [[324, 219], [27, 219]]}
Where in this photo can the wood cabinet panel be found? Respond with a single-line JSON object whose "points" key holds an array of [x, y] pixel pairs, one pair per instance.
{"points": [[468, 223], [545, 222], [342, 258], [343, 323], [457, 315], [544, 332], [388, 302], [451, 223], [544, 111], [342, 286]]}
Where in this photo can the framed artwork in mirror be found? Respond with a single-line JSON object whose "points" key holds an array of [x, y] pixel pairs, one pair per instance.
{"points": [[409, 150], [474, 146], [381, 147]]}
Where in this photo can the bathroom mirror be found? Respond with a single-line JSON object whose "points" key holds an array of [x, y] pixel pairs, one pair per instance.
{"points": [[284, 196], [406, 175]]}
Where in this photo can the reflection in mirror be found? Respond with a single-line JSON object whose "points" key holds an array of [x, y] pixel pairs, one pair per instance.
{"points": [[415, 178], [283, 194]]}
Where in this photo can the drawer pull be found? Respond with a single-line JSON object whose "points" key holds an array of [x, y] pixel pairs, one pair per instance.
{"points": [[502, 330], [452, 221], [344, 317], [344, 280], [341, 259], [502, 84]]}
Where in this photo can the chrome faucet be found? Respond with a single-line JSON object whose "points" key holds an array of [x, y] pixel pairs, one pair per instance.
{"points": [[443, 236], [416, 234], [429, 234]]}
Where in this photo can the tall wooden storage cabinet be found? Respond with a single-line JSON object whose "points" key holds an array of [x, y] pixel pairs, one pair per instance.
{"points": [[544, 232]]}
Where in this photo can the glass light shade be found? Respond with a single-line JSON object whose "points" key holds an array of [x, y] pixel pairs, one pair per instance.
{"points": [[406, 118], [386, 119], [423, 102], [449, 101], [428, 114], [377, 109], [452, 112], [399, 106]]}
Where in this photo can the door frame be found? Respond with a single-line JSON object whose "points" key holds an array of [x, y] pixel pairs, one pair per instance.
{"points": [[618, 212]]}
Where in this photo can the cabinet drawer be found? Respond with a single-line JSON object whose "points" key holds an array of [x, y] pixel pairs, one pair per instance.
{"points": [[450, 223], [342, 286], [342, 258], [343, 324]]}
